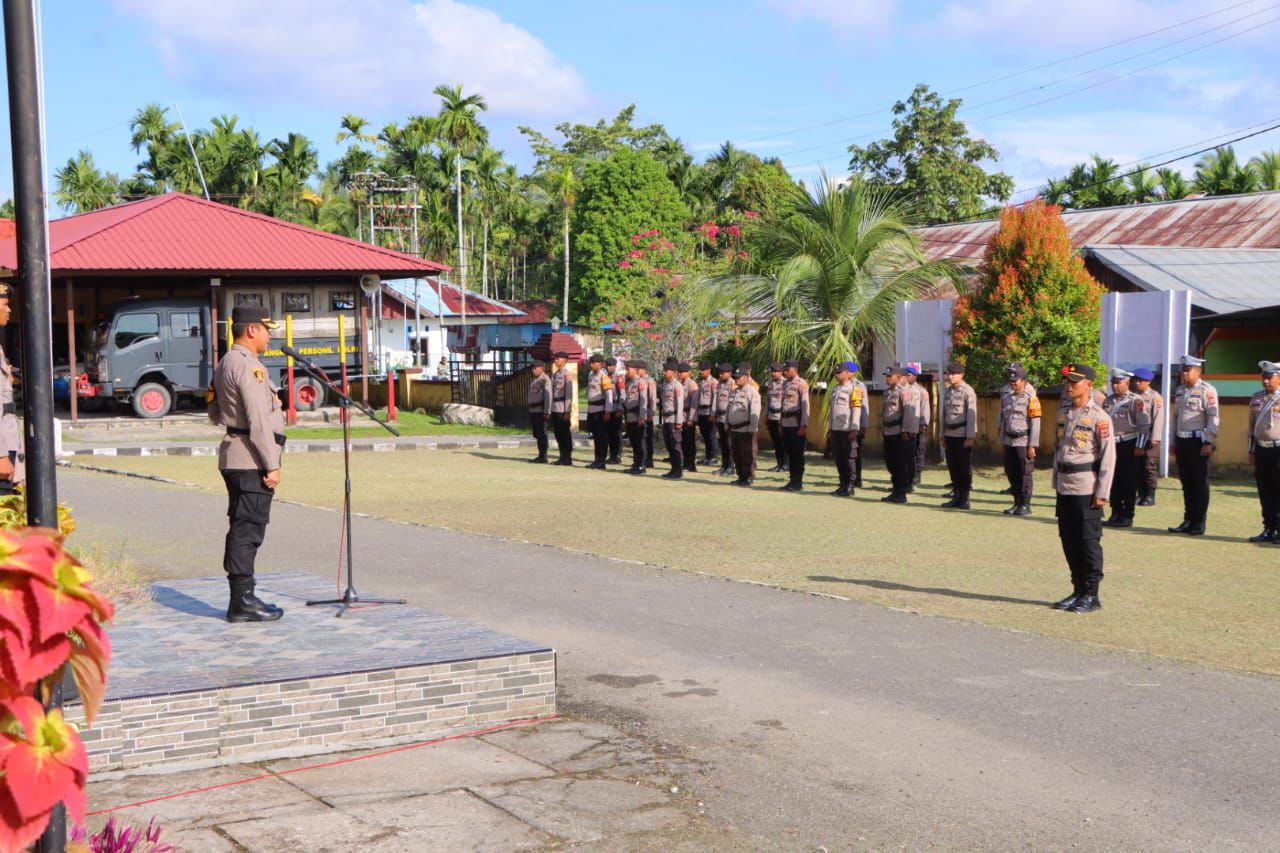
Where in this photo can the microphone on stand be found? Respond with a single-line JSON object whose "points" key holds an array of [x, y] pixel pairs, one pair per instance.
{"points": [[293, 353]]}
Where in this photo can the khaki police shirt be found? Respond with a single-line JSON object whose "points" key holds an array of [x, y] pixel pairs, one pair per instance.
{"points": [[743, 412], [707, 395], [1195, 410], [10, 432], [245, 398], [540, 395], [1149, 410], [960, 411], [846, 412], [1124, 417], [923, 403], [773, 397], [724, 387], [636, 400], [691, 397], [1020, 419], [1084, 458], [1264, 420], [795, 402], [599, 392], [672, 401], [562, 391], [897, 415]]}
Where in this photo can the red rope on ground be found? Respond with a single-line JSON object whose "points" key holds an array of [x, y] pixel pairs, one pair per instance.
{"points": [[262, 776]]}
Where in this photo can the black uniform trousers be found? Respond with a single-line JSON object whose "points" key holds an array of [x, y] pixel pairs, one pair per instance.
{"points": [[599, 435], [779, 443], [710, 442], [960, 466], [674, 441], [745, 450], [1193, 472], [726, 454], [635, 434], [689, 443], [1266, 473], [1080, 528], [1021, 472], [899, 457], [844, 450], [539, 423], [248, 512], [1124, 486], [614, 427], [794, 442], [648, 443], [1149, 472], [857, 465], [922, 444], [564, 435]]}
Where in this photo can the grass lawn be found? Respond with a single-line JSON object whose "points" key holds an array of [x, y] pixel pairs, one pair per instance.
{"points": [[1209, 600], [409, 424]]}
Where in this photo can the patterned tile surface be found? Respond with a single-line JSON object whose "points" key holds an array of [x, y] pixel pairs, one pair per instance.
{"points": [[181, 642]]}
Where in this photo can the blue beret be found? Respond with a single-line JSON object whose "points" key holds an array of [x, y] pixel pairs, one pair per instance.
{"points": [[851, 366], [913, 370], [1143, 374]]}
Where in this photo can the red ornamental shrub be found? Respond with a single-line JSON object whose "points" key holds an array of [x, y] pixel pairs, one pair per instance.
{"points": [[49, 617]]}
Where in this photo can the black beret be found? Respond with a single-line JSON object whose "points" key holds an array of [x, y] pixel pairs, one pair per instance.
{"points": [[744, 366], [537, 362], [610, 361], [705, 365], [670, 364], [682, 367], [776, 367], [561, 354], [791, 362], [724, 367], [596, 359], [739, 372], [955, 367], [641, 364]]}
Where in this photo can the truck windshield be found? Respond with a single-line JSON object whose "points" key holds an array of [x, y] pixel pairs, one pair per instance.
{"points": [[132, 328]]}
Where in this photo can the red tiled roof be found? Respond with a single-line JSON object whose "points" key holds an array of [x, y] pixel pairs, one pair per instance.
{"points": [[7, 228], [438, 297], [535, 311], [180, 234]]}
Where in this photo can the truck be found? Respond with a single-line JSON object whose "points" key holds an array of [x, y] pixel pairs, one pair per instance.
{"points": [[151, 353]]}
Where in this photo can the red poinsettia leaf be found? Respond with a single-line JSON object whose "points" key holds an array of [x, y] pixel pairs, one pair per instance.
{"points": [[14, 602], [55, 611], [42, 658], [91, 680], [36, 782], [17, 833]]}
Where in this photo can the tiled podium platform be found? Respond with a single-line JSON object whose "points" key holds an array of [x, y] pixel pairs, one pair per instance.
{"points": [[186, 688]]}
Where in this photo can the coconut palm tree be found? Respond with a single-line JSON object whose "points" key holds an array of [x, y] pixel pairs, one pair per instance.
{"points": [[492, 179], [354, 127], [1267, 167], [1220, 173], [1144, 184], [563, 186], [82, 187], [727, 165], [1173, 185], [459, 125]]}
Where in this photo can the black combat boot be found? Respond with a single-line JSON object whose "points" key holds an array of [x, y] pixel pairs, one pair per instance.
{"points": [[1087, 603], [1147, 500], [1068, 602], [1267, 535], [247, 607]]}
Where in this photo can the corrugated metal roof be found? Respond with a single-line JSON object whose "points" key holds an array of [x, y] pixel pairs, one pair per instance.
{"points": [[437, 297], [181, 234], [1221, 281], [1218, 222]]}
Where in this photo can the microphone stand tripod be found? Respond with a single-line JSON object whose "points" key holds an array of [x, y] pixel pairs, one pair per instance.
{"points": [[350, 598]]}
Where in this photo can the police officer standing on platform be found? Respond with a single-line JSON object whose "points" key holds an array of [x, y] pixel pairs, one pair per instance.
{"points": [[673, 418], [689, 435], [539, 408], [614, 423], [959, 431], [1120, 406], [743, 419], [1150, 409], [636, 406], [599, 409], [1264, 450], [247, 403], [794, 423], [1020, 436], [563, 394], [846, 419], [1083, 463], [724, 389], [706, 409], [773, 414], [1195, 424], [12, 467]]}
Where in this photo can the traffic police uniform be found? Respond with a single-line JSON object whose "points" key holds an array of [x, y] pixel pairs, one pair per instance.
{"points": [[1150, 409], [1264, 452], [247, 403], [636, 406], [540, 410], [959, 429], [673, 418], [1019, 434], [846, 419], [1083, 466], [795, 424], [10, 433], [706, 409], [1127, 426], [599, 409], [689, 435], [563, 395], [724, 387], [773, 414], [742, 415], [1195, 427]]}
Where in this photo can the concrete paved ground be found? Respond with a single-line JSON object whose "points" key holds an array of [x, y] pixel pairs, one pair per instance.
{"points": [[805, 722]]}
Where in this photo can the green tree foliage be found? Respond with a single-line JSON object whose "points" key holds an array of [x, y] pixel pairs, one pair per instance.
{"points": [[1220, 173], [81, 187], [627, 193], [1267, 167], [585, 143], [1034, 302], [933, 161]]}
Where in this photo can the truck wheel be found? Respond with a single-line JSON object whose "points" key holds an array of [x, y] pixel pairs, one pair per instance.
{"points": [[152, 400], [308, 394]]}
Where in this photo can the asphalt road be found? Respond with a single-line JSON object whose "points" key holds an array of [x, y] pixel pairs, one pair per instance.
{"points": [[815, 722]]}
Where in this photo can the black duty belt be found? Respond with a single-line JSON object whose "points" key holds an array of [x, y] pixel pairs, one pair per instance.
{"points": [[536, 407], [280, 439], [10, 408], [1023, 434], [791, 413], [775, 408], [1076, 467], [957, 424], [893, 422]]}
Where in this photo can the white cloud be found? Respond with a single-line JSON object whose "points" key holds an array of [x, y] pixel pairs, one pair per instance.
{"points": [[368, 55], [845, 17]]}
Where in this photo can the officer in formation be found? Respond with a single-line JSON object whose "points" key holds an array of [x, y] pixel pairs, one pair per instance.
{"points": [[673, 419], [539, 407], [724, 389], [1128, 423], [654, 402], [1020, 436], [247, 403], [12, 469], [1150, 407], [1264, 450], [707, 386], [600, 409], [742, 416], [924, 411], [615, 422], [636, 406], [1195, 425], [794, 423], [959, 432], [689, 435], [899, 424], [1083, 465], [563, 395], [846, 421], [773, 414]]}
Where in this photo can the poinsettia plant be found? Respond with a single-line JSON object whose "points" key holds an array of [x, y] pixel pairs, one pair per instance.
{"points": [[50, 618]]}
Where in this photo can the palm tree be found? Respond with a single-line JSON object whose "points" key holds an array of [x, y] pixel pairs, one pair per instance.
{"points": [[353, 127], [564, 189], [1267, 167], [458, 124], [151, 125], [1056, 191], [1107, 187], [81, 187], [1144, 184], [1220, 173], [1173, 185], [828, 278], [727, 166], [491, 180]]}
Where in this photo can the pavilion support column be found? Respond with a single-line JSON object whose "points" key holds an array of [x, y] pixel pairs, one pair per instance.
{"points": [[364, 350], [214, 284], [74, 383]]}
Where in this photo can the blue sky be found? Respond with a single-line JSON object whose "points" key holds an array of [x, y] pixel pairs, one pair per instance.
{"points": [[780, 77]]}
